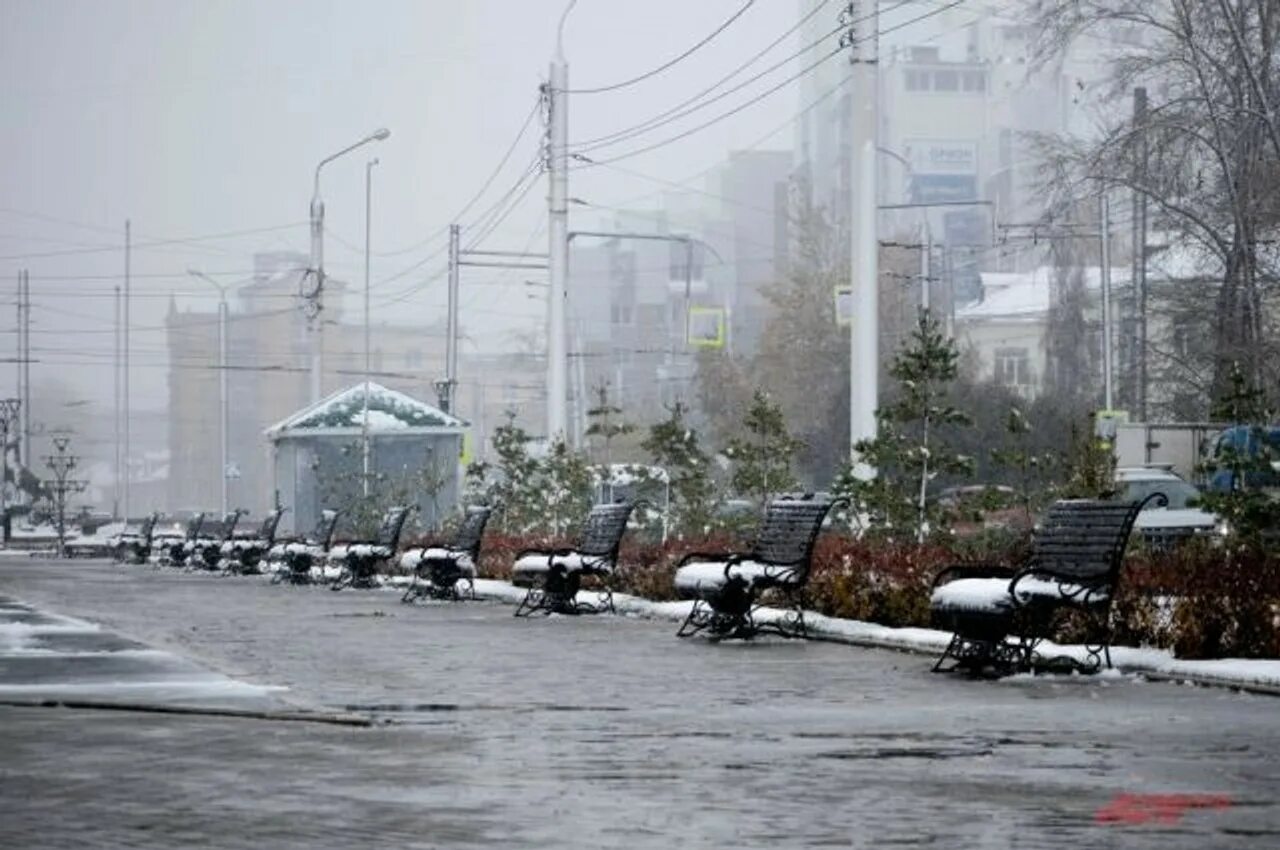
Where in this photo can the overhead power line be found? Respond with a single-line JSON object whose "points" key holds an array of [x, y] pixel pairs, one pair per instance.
{"points": [[767, 93], [672, 62]]}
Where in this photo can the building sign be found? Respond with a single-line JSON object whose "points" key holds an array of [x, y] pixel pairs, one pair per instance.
{"points": [[942, 170], [941, 156], [707, 327]]}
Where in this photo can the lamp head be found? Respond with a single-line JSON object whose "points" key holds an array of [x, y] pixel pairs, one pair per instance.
{"points": [[381, 134]]}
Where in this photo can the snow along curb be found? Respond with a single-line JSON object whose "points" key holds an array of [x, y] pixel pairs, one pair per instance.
{"points": [[1252, 675]]}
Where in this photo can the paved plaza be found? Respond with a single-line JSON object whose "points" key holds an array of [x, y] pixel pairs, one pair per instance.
{"points": [[569, 732]]}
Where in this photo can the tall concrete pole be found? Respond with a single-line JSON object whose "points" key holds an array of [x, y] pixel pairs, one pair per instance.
{"points": [[865, 273], [368, 233], [115, 391], [124, 376], [451, 335], [314, 306], [1105, 272], [558, 236], [223, 400], [26, 368]]}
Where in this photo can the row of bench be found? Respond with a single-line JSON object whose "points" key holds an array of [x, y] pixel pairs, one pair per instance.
{"points": [[999, 615]]}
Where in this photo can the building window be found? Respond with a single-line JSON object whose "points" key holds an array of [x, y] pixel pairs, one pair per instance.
{"points": [[946, 80], [917, 80], [1013, 367], [974, 81]]}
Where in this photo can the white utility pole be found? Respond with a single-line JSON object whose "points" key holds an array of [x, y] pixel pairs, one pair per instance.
{"points": [[314, 294], [1105, 272], [558, 249], [368, 233], [864, 329], [115, 391], [124, 375], [451, 333]]}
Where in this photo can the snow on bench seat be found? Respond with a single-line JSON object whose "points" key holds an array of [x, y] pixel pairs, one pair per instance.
{"points": [[991, 595], [539, 564], [414, 558], [694, 580]]}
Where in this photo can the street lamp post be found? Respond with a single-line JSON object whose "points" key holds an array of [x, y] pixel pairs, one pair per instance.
{"points": [[313, 295], [223, 402], [368, 219]]}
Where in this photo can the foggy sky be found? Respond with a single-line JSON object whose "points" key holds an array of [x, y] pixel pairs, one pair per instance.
{"points": [[198, 118]]}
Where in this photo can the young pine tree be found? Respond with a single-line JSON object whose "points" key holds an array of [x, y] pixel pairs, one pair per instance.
{"points": [[673, 445], [909, 451], [607, 424], [762, 459]]}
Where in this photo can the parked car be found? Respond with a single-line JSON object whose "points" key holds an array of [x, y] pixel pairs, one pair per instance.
{"points": [[1162, 527], [1246, 441]]}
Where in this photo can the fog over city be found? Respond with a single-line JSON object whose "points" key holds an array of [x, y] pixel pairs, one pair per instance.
{"points": [[202, 125]]}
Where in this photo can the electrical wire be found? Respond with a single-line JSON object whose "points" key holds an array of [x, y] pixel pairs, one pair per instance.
{"points": [[769, 92], [139, 246], [589, 144], [670, 63]]}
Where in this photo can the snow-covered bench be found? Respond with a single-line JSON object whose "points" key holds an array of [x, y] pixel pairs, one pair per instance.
{"points": [[554, 576], [998, 615], [243, 555], [205, 553], [134, 547], [358, 561], [726, 586], [173, 550], [438, 569], [292, 560]]}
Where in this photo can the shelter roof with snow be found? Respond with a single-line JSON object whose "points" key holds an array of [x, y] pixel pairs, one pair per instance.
{"points": [[390, 412]]}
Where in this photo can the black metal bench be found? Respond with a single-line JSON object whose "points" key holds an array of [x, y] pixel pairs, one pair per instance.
{"points": [[727, 586], [553, 577], [135, 547], [174, 552], [292, 560], [358, 561], [244, 556], [999, 615], [438, 569], [205, 553]]}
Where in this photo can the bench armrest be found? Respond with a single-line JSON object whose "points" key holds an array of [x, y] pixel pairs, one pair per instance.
{"points": [[1070, 588], [954, 571]]}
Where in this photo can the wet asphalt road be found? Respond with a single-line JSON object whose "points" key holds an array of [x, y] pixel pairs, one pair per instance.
{"points": [[587, 732]]}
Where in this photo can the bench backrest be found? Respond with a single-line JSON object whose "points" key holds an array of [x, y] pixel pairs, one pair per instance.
{"points": [[229, 521], [467, 539], [327, 525], [389, 530], [1083, 540], [789, 531], [193, 526], [267, 531], [148, 528], [602, 531]]}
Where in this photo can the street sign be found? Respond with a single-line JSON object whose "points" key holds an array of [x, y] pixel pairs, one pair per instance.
{"points": [[707, 327]]}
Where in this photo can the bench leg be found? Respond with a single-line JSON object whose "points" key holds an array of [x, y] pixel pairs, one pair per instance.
{"points": [[559, 595]]}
